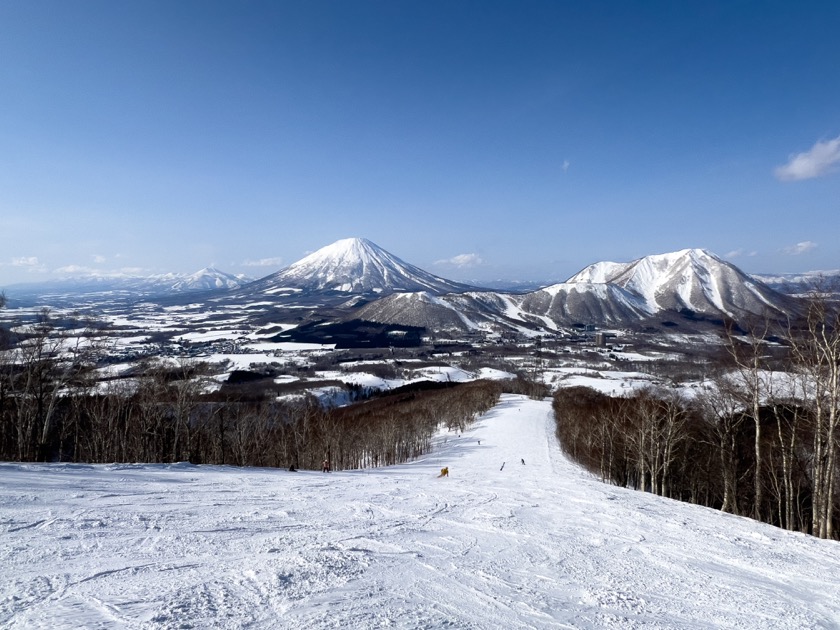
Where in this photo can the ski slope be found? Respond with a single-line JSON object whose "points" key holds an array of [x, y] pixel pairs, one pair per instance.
{"points": [[534, 545]]}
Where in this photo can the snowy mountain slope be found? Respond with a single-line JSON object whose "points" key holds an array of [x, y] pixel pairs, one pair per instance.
{"points": [[693, 280], [587, 303], [355, 265], [416, 309], [599, 272], [551, 307], [473, 310], [208, 279], [534, 545], [103, 287]]}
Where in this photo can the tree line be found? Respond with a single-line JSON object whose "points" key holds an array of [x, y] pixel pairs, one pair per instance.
{"points": [[55, 406], [760, 439]]}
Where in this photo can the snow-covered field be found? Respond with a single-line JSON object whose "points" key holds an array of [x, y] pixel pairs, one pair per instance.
{"points": [[533, 545]]}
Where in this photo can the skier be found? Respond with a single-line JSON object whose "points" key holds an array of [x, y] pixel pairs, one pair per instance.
{"points": [[326, 465], [523, 461]]}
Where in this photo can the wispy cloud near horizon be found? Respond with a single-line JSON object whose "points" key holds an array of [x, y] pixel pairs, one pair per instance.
{"points": [[264, 262], [25, 261], [80, 270], [84, 271], [740, 253], [462, 260], [29, 263], [819, 160], [800, 248]]}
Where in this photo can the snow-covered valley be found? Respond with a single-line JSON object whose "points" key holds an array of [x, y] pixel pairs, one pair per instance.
{"points": [[539, 544]]}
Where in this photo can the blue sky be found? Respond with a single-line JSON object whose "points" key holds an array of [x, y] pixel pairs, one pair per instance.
{"points": [[478, 140]]}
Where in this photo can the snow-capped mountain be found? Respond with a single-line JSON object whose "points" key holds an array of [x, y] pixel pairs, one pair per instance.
{"points": [[692, 280], [122, 286], [553, 307], [802, 283], [356, 279], [208, 279], [354, 266]]}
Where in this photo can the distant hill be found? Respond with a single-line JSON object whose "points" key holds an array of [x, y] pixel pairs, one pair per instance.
{"points": [[86, 288], [802, 283]]}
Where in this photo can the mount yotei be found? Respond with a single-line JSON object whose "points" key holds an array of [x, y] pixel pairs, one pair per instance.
{"points": [[353, 266]]}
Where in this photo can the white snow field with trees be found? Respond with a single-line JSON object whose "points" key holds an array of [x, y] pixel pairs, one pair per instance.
{"points": [[536, 545]]}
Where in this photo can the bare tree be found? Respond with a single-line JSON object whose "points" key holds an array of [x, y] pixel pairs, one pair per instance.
{"points": [[720, 406], [748, 353], [816, 350]]}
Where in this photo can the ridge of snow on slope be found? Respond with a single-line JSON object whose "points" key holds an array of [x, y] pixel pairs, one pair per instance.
{"points": [[587, 302], [534, 545], [599, 272], [689, 274]]}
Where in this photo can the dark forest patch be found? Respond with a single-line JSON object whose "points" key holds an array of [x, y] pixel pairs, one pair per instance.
{"points": [[355, 334]]}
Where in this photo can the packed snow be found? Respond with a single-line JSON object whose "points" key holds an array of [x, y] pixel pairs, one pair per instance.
{"points": [[515, 537]]}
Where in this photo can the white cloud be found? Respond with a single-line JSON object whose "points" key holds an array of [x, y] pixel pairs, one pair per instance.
{"points": [[800, 248], [76, 270], [738, 253], [817, 161], [566, 165], [25, 261], [264, 262], [30, 263], [98, 259], [462, 260], [92, 272]]}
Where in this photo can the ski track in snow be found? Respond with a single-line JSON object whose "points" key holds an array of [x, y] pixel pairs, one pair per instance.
{"points": [[539, 545]]}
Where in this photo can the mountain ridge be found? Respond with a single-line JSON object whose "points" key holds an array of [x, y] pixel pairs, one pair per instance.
{"points": [[355, 278], [693, 280], [689, 283], [127, 285]]}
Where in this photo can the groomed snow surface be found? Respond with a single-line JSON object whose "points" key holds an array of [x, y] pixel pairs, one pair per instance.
{"points": [[534, 545]]}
